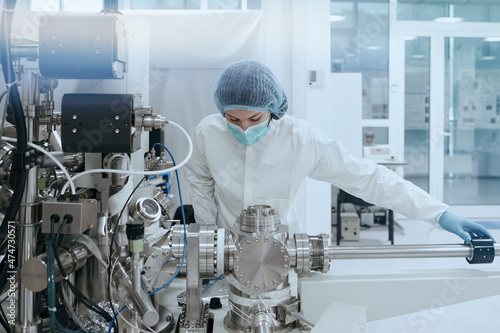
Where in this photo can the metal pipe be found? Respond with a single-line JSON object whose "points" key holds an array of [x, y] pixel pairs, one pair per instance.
{"points": [[262, 323], [34, 271], [139, 298], [29, 51], [193, 281], [27, 240], [404, 251]]}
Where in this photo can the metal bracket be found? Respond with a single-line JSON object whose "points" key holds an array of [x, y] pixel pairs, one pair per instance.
{"points": [[483, 250]]}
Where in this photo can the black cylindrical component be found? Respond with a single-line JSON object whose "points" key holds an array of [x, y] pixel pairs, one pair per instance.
{"points": [[215, 303], [135, 230], [483, 251]]}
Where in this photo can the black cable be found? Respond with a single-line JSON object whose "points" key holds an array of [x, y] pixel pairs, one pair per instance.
{"points": [[15, 100], [111, 248], [80, 297], [22, 141]]}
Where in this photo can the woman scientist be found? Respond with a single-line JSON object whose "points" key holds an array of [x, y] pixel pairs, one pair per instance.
{"points": [[255, 154]]}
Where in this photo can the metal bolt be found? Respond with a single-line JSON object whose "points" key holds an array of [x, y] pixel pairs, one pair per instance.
{"points": [[257, 287], [266, 239], [282, 249], [266, 286], [97, 37], [275, 283], [237, 258], [155, 255], [248, 284], [286, 258], [52, 37], [285, 267], [237, 268], [248, 242], [117, 117], [241, 276], [74, 130], [256, 240], [275, 243], [97, 51], [117, 130], [53, 51], [74, 116]]}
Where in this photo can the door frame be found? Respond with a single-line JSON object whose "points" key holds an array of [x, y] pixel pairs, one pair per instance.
{"points": [[437, 32]]}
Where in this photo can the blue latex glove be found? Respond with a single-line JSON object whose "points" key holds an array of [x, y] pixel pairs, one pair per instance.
{"points": [[460, 225]]}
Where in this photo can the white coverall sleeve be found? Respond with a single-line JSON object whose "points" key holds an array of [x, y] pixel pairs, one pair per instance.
{"points": [[375, 184], [201, 184]]}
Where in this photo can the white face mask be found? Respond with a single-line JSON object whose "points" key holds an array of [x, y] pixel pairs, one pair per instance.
{"points": [[251, 135]]}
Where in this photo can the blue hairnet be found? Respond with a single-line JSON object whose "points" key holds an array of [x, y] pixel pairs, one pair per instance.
{"points": [[249, 85]]}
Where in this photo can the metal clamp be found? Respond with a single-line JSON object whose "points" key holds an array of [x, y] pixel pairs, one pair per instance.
{"points": [[483, 250]]}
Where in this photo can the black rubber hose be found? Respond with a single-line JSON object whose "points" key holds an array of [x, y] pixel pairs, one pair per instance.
{"points": [[15, 101], [22, 141]]}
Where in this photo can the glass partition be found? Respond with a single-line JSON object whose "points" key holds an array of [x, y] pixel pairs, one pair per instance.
{"points": [[472, 121], [417, 110]]}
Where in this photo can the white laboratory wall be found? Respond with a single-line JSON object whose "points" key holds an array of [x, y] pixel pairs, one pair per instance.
{"points": [[188, 50], [311, 51]]}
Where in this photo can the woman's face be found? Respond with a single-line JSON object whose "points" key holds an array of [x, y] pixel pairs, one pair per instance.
{"points": [[245, 118]]}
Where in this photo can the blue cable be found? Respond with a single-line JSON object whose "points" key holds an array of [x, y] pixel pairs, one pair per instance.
{"points": [[183, 251], [113, 320]]}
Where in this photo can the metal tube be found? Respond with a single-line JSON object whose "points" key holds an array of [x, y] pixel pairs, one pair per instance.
{"points": [[139, 298], [193, 281], [404, 251], [30, 51], [34, 271], [27, 241], [262, 323], [136, 271]]}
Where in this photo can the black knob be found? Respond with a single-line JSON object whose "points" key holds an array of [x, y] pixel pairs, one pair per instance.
{"points": [[215, 303], [135, 231]]}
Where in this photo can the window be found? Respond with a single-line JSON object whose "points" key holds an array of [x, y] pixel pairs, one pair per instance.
{"points": [[97, 5], [360, 43], [432, 10]]}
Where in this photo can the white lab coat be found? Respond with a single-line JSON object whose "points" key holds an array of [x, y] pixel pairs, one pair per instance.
{"points": [[226, 176]]}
